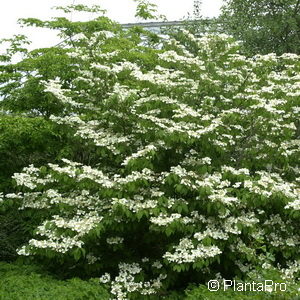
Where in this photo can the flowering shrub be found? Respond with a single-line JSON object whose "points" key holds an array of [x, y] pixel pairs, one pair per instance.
{"points": [[198, 163]]}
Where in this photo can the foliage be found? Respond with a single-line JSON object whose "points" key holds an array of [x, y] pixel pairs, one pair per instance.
{"points": [[16, 227], [194, 170], [20, 81], [28, 282], [264, 26], [25, 141], [81, 8], [146, 10]]}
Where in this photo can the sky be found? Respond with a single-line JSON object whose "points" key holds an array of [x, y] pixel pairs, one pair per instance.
{"points": [[121, 11]]}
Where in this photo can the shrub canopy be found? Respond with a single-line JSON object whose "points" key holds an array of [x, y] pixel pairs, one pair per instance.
{"points": [[194, 169]]}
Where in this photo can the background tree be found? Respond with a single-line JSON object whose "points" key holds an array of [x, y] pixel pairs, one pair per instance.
{"points": [[264, 26]]}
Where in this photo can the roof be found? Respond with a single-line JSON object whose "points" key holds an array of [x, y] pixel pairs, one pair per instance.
{"points": [[154, 24]]}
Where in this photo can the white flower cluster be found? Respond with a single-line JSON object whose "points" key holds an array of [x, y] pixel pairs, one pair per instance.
{"points": [[271, 183], [231, 226], [95, 175], [123, 92], [59, 244], [213, 232], [70, 120], [172, 56], [221, 195], [292, 269], [295, 205], [191, 159], [91, 259], [141, 153], [30, 178], [105, 278], [102, 137], [135, 205], [67, 170], [145, 174], [125, 283], [157, 264], [234, 171], [81, 225], [54, 87], [164, 220], [187, 252]]}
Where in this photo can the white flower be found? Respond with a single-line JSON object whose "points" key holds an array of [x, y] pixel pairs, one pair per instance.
{"points": [[163, 220], [105, 278], [186, 252], [157, 265]]}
